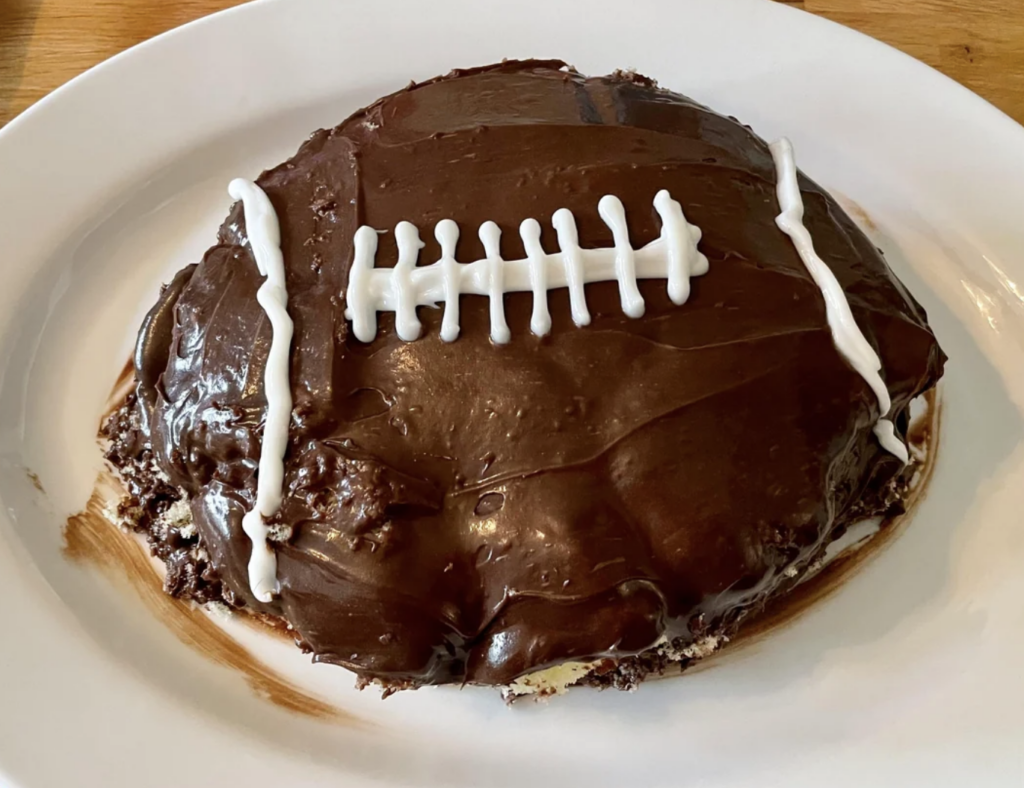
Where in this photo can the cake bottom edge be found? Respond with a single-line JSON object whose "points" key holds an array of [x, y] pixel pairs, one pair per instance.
{"points": [[159, 512]]}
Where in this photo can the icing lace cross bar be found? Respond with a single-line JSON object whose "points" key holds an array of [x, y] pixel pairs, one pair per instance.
{"points": [[673, 256]]}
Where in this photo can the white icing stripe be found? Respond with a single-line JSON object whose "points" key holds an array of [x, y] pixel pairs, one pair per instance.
{"points": [[846, 334], [614, 215], [364, 321], [490, 237], [264, 236], [683, 260], [447, 235], [540, 321], [409, 245], [569, 242], [673, 256]]}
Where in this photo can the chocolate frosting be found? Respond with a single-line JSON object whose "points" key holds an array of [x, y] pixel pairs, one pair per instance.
{"points": [[470, 512]]}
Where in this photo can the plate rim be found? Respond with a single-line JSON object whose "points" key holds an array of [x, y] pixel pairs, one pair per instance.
{"points": [[38, 116]]}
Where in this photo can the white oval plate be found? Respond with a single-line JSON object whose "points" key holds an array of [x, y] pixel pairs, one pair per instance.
{"points": [[911, 674]]}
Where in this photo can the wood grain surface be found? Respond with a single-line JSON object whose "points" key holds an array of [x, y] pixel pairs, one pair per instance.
{"points": [[44, 43]]}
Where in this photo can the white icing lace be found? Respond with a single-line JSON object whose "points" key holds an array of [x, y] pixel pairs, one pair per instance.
{"points": [[673, 256], [848, 338], [264, 236]]}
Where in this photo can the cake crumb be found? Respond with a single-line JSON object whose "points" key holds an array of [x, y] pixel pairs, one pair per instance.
{"points": [[550, 681]]}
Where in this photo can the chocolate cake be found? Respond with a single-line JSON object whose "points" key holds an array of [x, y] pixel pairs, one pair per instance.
{"points": [[623, 439]]}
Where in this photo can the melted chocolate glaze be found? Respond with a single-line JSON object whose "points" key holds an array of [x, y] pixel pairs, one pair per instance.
{"points": [[470, 512]]}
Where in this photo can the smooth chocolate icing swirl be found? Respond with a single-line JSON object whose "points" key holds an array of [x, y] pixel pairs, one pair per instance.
{"points": [[469, 511]]}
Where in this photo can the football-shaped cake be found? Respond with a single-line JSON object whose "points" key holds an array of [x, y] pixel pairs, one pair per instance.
{"points": [[517, 370]]}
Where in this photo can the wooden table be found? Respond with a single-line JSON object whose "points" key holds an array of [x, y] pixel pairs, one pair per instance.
{"points": [[44, 43]]}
